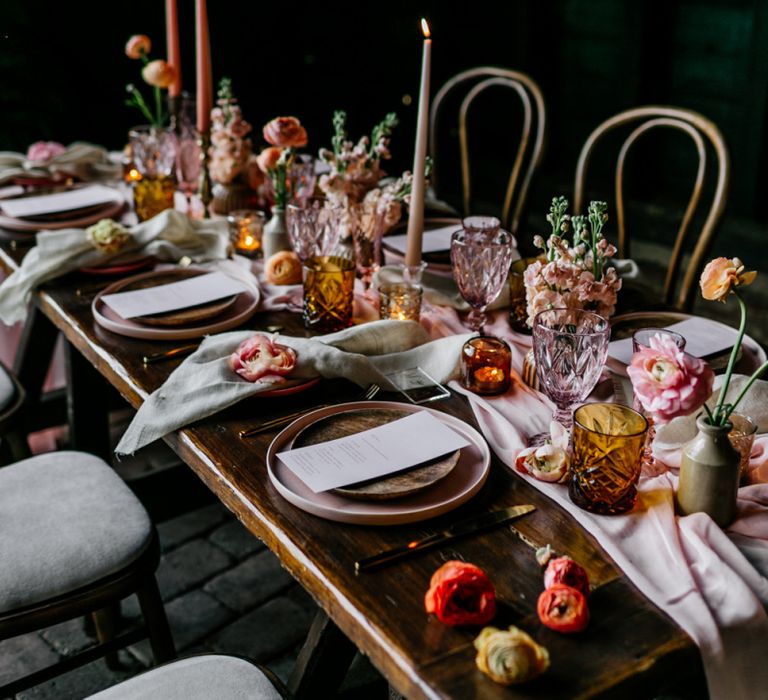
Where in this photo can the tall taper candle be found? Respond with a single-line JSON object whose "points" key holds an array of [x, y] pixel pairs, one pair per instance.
{"points": [[172, 45], [416, 207], [204, 77]]}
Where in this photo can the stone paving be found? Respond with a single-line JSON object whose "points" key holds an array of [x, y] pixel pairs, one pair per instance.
{"points": [[224, 591]]}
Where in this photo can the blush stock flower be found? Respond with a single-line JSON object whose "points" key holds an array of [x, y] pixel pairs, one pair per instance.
{"points": [[668, 382]]}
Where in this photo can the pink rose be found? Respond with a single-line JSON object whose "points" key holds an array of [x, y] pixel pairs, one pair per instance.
{"points": [[260, 357], [285, 132], [138, 45], [43, 151], [158, 73], [667, 382]]}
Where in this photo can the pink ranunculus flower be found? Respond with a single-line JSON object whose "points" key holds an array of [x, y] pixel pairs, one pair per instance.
{"points": [[43, 151], [261, 358], [158, 73], [668, 382], [268, 158], [285, 132], [137, 46]]}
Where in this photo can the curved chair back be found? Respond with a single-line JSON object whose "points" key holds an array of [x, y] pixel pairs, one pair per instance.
{"points": [[531, 144], [701, 131]]}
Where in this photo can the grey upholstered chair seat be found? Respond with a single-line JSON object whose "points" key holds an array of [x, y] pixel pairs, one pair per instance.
{"points": [[7, 389], [196, 678], [66, 520]]}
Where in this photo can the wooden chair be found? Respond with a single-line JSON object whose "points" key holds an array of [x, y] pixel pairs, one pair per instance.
{"points": [[200, 677], [477, 81], [13, 436], [703, 133], [75, 541]]}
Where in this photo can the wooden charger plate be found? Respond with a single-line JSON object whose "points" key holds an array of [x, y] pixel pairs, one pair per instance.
{"points": [[179, 317], [405, 483]]}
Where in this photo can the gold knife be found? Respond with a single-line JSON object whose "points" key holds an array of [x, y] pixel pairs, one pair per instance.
{"points": [[168, 354], [463, 527]]}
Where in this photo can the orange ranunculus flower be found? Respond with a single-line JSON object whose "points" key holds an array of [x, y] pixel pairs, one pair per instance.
{"points": [[158, 73], [268, 158], [137, 46], [461, 594], [285, 132], [284, 267], [721, 276]]}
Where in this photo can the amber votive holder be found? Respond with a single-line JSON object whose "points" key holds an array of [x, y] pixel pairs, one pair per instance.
{"points": [[486, 364], [400, 301], [246, 228], [608, 446]]}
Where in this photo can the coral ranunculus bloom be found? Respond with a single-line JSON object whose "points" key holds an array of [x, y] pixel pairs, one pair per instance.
{"points": [[721, 276], [158, 73], [268, 158], [137, 46], [461, 594], [285, 132]]}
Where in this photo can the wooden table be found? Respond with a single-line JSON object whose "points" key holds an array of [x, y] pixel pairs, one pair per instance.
{"points": [[630, 649]]}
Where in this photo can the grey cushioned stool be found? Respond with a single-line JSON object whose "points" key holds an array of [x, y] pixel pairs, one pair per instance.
{"points": [[13, 439], [75, 540], [200, 677]]}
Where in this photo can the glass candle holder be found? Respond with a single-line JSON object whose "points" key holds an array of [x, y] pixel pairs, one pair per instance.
{"points": [[641, 338], [246, 227], [608, 445], [486, 364], [154, 154], [401, 302], [742, 437]]}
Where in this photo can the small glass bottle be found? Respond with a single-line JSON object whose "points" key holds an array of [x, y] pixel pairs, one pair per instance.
{"points": [[485, 365]]}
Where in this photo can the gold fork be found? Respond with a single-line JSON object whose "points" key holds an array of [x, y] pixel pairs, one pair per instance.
{"points": [[370, 392]]}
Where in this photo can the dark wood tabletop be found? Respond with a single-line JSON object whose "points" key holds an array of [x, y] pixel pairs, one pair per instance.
{"points": [[630, 649]]}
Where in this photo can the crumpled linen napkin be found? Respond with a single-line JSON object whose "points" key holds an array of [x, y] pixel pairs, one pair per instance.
{"points": [[81, 160], [168, 236], [203, 384]]}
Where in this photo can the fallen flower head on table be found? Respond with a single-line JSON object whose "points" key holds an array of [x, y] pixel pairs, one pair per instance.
{"points": [[260, 358]]}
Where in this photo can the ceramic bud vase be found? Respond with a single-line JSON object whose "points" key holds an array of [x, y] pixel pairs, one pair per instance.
{"points": [[709, 474], [275, 237]]}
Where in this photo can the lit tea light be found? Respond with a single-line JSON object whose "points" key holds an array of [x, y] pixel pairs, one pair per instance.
{"points": [[132, 175], [486, 365], [245, 229], [400, 302]]}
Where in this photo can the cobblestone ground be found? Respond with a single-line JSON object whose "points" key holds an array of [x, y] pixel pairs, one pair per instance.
{"points": [[224, 591]]}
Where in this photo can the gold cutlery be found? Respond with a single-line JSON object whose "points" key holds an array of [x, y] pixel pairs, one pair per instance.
{"points": [[168, 354], [370, 392], [463, 527]]}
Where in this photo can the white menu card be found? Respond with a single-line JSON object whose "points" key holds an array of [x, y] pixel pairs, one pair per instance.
{"points": [[78, 198], [432, 241], [373, 453], [176, 295]]}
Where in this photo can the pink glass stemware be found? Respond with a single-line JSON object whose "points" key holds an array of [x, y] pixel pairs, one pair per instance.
{"points": [[314, 227], [480, 260], [570, 347]]}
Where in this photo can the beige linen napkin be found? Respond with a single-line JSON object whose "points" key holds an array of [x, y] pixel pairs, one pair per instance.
{"points": [[204, 384], [671, 437], [168, 236], [81, 160]]}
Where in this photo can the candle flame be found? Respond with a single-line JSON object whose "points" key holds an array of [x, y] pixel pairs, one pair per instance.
{"points": [[425, 28]]}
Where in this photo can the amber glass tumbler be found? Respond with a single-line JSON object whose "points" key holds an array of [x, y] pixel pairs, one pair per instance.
{"points": [[329, 282]]}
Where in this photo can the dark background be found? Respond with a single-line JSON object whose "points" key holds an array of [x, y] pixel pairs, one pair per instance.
{"points": [[63, 73]]}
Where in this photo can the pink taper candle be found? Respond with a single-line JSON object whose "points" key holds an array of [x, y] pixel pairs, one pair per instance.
{"points": [[204, 77], [416, 207], [172, 45]]}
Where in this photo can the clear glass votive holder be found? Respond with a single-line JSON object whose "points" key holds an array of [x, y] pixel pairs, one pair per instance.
{"points": [[608, 447], [742, 437], [329, 282], [400, 301], [641, 338], [246, 228], [486, 365]]}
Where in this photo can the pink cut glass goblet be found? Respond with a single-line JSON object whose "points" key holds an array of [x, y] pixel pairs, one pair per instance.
{"points": [[188, 165], [314, 227], [570, 347], [480, 259]]}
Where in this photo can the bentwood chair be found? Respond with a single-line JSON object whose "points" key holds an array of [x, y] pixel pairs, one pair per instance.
{"points": [[680, 279], [200, 677], [13, 437], [75, 541], [488, 116]]}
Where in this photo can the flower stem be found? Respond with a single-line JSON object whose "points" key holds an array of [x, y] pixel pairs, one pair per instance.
{"points": [[158, 106], [719, 413], [751, 381]]}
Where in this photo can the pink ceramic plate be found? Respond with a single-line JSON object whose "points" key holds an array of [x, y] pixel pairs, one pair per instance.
{"points": [[295, 387], [121, 268], [466, 479], [243, 308], [107, 211]]}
